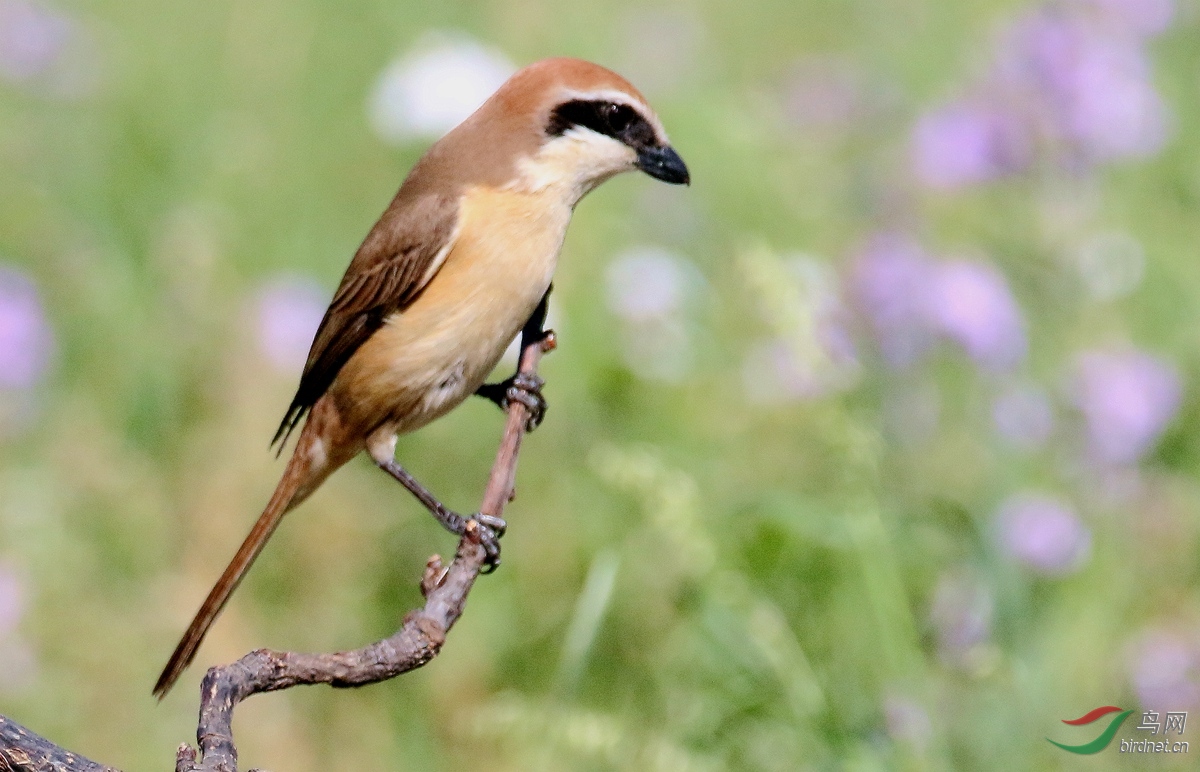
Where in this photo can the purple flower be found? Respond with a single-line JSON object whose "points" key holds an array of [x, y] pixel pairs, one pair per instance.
{"points": [[1166, 671], [972, 305], [908, 298], [891, 281], [1127, 398], [26, 342], [1110, 105], [1090, 87], [966, 143], [290, 309], [961, 614], [1043, 533], [1072, 78], [32, 37], [1023, 417], [907, 721], [1141, 17]]}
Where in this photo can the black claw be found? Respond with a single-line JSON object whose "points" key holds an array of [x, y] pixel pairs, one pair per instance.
{"points": [[491, 528], [527, 390], [497, 524], [521, 388]]}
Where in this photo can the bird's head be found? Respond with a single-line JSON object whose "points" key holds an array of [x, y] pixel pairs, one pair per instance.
{"points": [[581, 124]]}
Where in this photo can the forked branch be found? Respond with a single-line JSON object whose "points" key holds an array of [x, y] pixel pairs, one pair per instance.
{"points": [[417, 641]]}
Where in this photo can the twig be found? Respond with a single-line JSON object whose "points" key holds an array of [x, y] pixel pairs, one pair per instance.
{"points": [[417, 642]]}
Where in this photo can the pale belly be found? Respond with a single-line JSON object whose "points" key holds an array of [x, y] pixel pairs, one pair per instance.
{"points": [[426, 360]]}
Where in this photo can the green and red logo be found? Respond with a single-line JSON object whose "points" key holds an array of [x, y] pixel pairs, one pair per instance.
{"points": [[1105, 737]]}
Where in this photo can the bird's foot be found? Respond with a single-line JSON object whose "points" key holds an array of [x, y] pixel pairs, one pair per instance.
{"points": [[527, 389], [491, 528], [523, 388]]}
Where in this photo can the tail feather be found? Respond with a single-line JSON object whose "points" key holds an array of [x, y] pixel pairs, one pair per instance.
{"points": [[301, 478]]}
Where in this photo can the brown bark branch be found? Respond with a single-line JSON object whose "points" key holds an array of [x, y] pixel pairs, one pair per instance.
{"points": [[418, 640], [23, 751]]}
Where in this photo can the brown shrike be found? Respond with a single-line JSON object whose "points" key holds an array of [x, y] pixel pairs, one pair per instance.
{"points": [[458, 264]]}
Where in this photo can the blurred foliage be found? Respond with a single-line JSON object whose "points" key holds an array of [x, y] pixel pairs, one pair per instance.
{"points": [[699, 574]]}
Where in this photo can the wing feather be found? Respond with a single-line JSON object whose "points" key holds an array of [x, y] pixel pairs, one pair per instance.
{"points": [[397, 259]]}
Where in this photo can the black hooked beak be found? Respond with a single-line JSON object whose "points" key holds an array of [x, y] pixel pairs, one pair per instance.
{"points": [[663, 163]]}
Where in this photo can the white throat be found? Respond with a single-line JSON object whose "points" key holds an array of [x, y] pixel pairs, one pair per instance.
{"points": [[573, 164]]}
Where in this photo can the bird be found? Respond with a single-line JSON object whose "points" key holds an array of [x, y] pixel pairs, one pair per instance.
{"points": [[461, 261]]}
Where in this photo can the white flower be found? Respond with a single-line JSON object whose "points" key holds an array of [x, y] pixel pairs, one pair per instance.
{"points": [[430, 90], [650, 290], [1111, 264], [647, 283]]}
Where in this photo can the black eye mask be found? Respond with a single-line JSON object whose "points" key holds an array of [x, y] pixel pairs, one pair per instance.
{"points": [[621, 122]]}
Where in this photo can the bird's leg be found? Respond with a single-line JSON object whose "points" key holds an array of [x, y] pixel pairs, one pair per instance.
{"points": [[522, 387], [491, 527]]}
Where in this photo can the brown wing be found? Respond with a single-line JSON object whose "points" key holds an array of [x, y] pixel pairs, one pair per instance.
{"points": [[390, 269]]}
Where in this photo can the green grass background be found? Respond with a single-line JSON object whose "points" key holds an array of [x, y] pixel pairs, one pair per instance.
{"points": [[691, 580]]}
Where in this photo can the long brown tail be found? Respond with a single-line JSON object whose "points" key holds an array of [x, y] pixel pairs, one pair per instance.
{"points": [[301, 478]]}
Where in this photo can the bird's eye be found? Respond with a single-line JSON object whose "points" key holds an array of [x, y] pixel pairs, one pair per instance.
{"points": [[618, 117]]}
